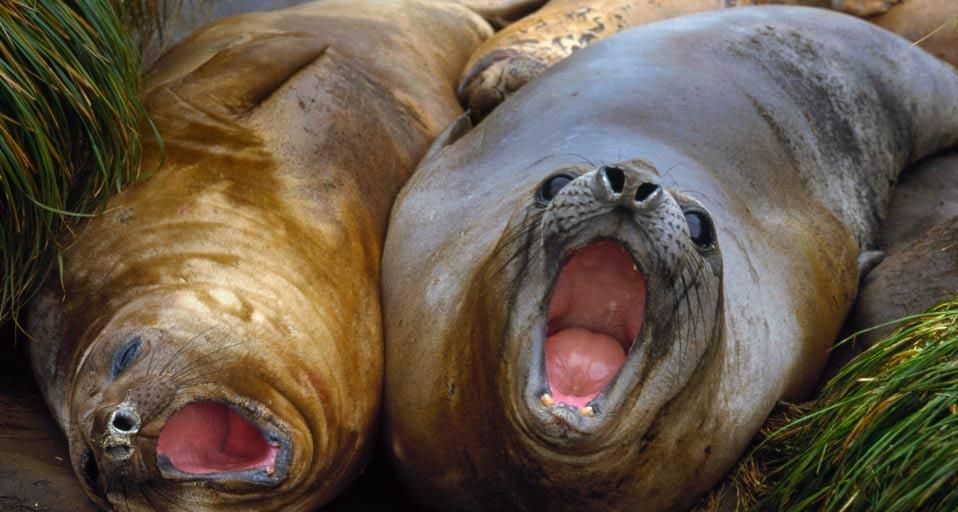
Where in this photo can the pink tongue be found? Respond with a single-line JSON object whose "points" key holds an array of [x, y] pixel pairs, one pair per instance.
{"points": [[209, 437], [579, 363]]}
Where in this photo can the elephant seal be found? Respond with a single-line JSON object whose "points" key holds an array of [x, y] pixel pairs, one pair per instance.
{"points": [[594, 298], [523, 50], [217, 341]]}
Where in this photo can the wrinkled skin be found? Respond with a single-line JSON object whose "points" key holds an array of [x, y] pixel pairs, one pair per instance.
{"points": [[778, 131], [217, 342], [528, 47]]}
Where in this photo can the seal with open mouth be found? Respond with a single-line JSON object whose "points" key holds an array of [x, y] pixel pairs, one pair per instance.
{"points": [[216, 342], [594, 298]]}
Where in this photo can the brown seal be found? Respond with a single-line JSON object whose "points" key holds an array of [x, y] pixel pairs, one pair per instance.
{"points": [[594, 298], [523, 50], [920, 245], [217, 341]]}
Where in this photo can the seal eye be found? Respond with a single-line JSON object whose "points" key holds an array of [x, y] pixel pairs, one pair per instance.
{"points": [[126, 355], [701, 230], [553, 185]]}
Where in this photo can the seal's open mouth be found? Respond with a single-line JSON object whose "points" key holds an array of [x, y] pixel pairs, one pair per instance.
{"points": [[208, 437], [595, 315]]}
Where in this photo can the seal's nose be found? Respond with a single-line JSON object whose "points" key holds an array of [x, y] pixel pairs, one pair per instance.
{"points": [[115, 431], [124, 421], [625, 187]]}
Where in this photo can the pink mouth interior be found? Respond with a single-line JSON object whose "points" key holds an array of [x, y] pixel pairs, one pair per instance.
{"points": [[208, 437], [595, 315]]}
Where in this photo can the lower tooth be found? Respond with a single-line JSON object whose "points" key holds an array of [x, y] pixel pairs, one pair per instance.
{"points": [[586, 411], [547, 400]]}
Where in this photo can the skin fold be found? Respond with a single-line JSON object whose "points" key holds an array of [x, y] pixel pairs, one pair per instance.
{"points": [[743, 159], [237, 288], [524, 49]]}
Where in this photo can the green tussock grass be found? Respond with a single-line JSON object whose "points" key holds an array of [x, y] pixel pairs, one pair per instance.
{"points": [[69, 117], [884, 434]]}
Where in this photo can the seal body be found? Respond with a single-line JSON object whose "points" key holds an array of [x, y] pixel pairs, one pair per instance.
{"points": [[920, 241], [595, 297], [523, 50], [217, 341]]}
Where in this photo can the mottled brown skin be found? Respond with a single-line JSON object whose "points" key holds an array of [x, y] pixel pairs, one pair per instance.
{"points": [[809, 117], [526, 48], [246, 268]]}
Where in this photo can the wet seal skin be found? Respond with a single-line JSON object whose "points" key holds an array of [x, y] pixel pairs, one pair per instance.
{"points": [[217, 340], [594, 298], [525, 49]]}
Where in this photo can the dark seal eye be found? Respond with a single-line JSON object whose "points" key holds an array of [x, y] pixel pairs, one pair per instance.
{"points": [[701, 230], [126, 355], [553, 185]]}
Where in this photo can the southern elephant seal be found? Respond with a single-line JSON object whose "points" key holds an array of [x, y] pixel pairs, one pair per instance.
{"points": [[523, 50], [217, 341], [595, 297]]}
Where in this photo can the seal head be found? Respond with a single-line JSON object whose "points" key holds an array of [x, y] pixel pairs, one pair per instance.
{"points": [[623, 262]]}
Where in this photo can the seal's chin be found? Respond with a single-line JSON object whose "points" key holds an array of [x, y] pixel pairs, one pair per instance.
{"points": [[595, 315], [208, 438]]}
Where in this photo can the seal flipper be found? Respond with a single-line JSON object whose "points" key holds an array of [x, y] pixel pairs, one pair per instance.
{"points": [[228, 71], [867, 261], [450, 134]]}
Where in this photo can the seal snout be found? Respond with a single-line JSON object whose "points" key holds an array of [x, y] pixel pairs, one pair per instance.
{"points": [[124, 421], [118, 426], [122, 426], [625, 188]]}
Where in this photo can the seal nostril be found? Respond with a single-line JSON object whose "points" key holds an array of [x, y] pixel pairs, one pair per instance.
{"points": [[616, 178], [644, 191], [123, 421]]}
